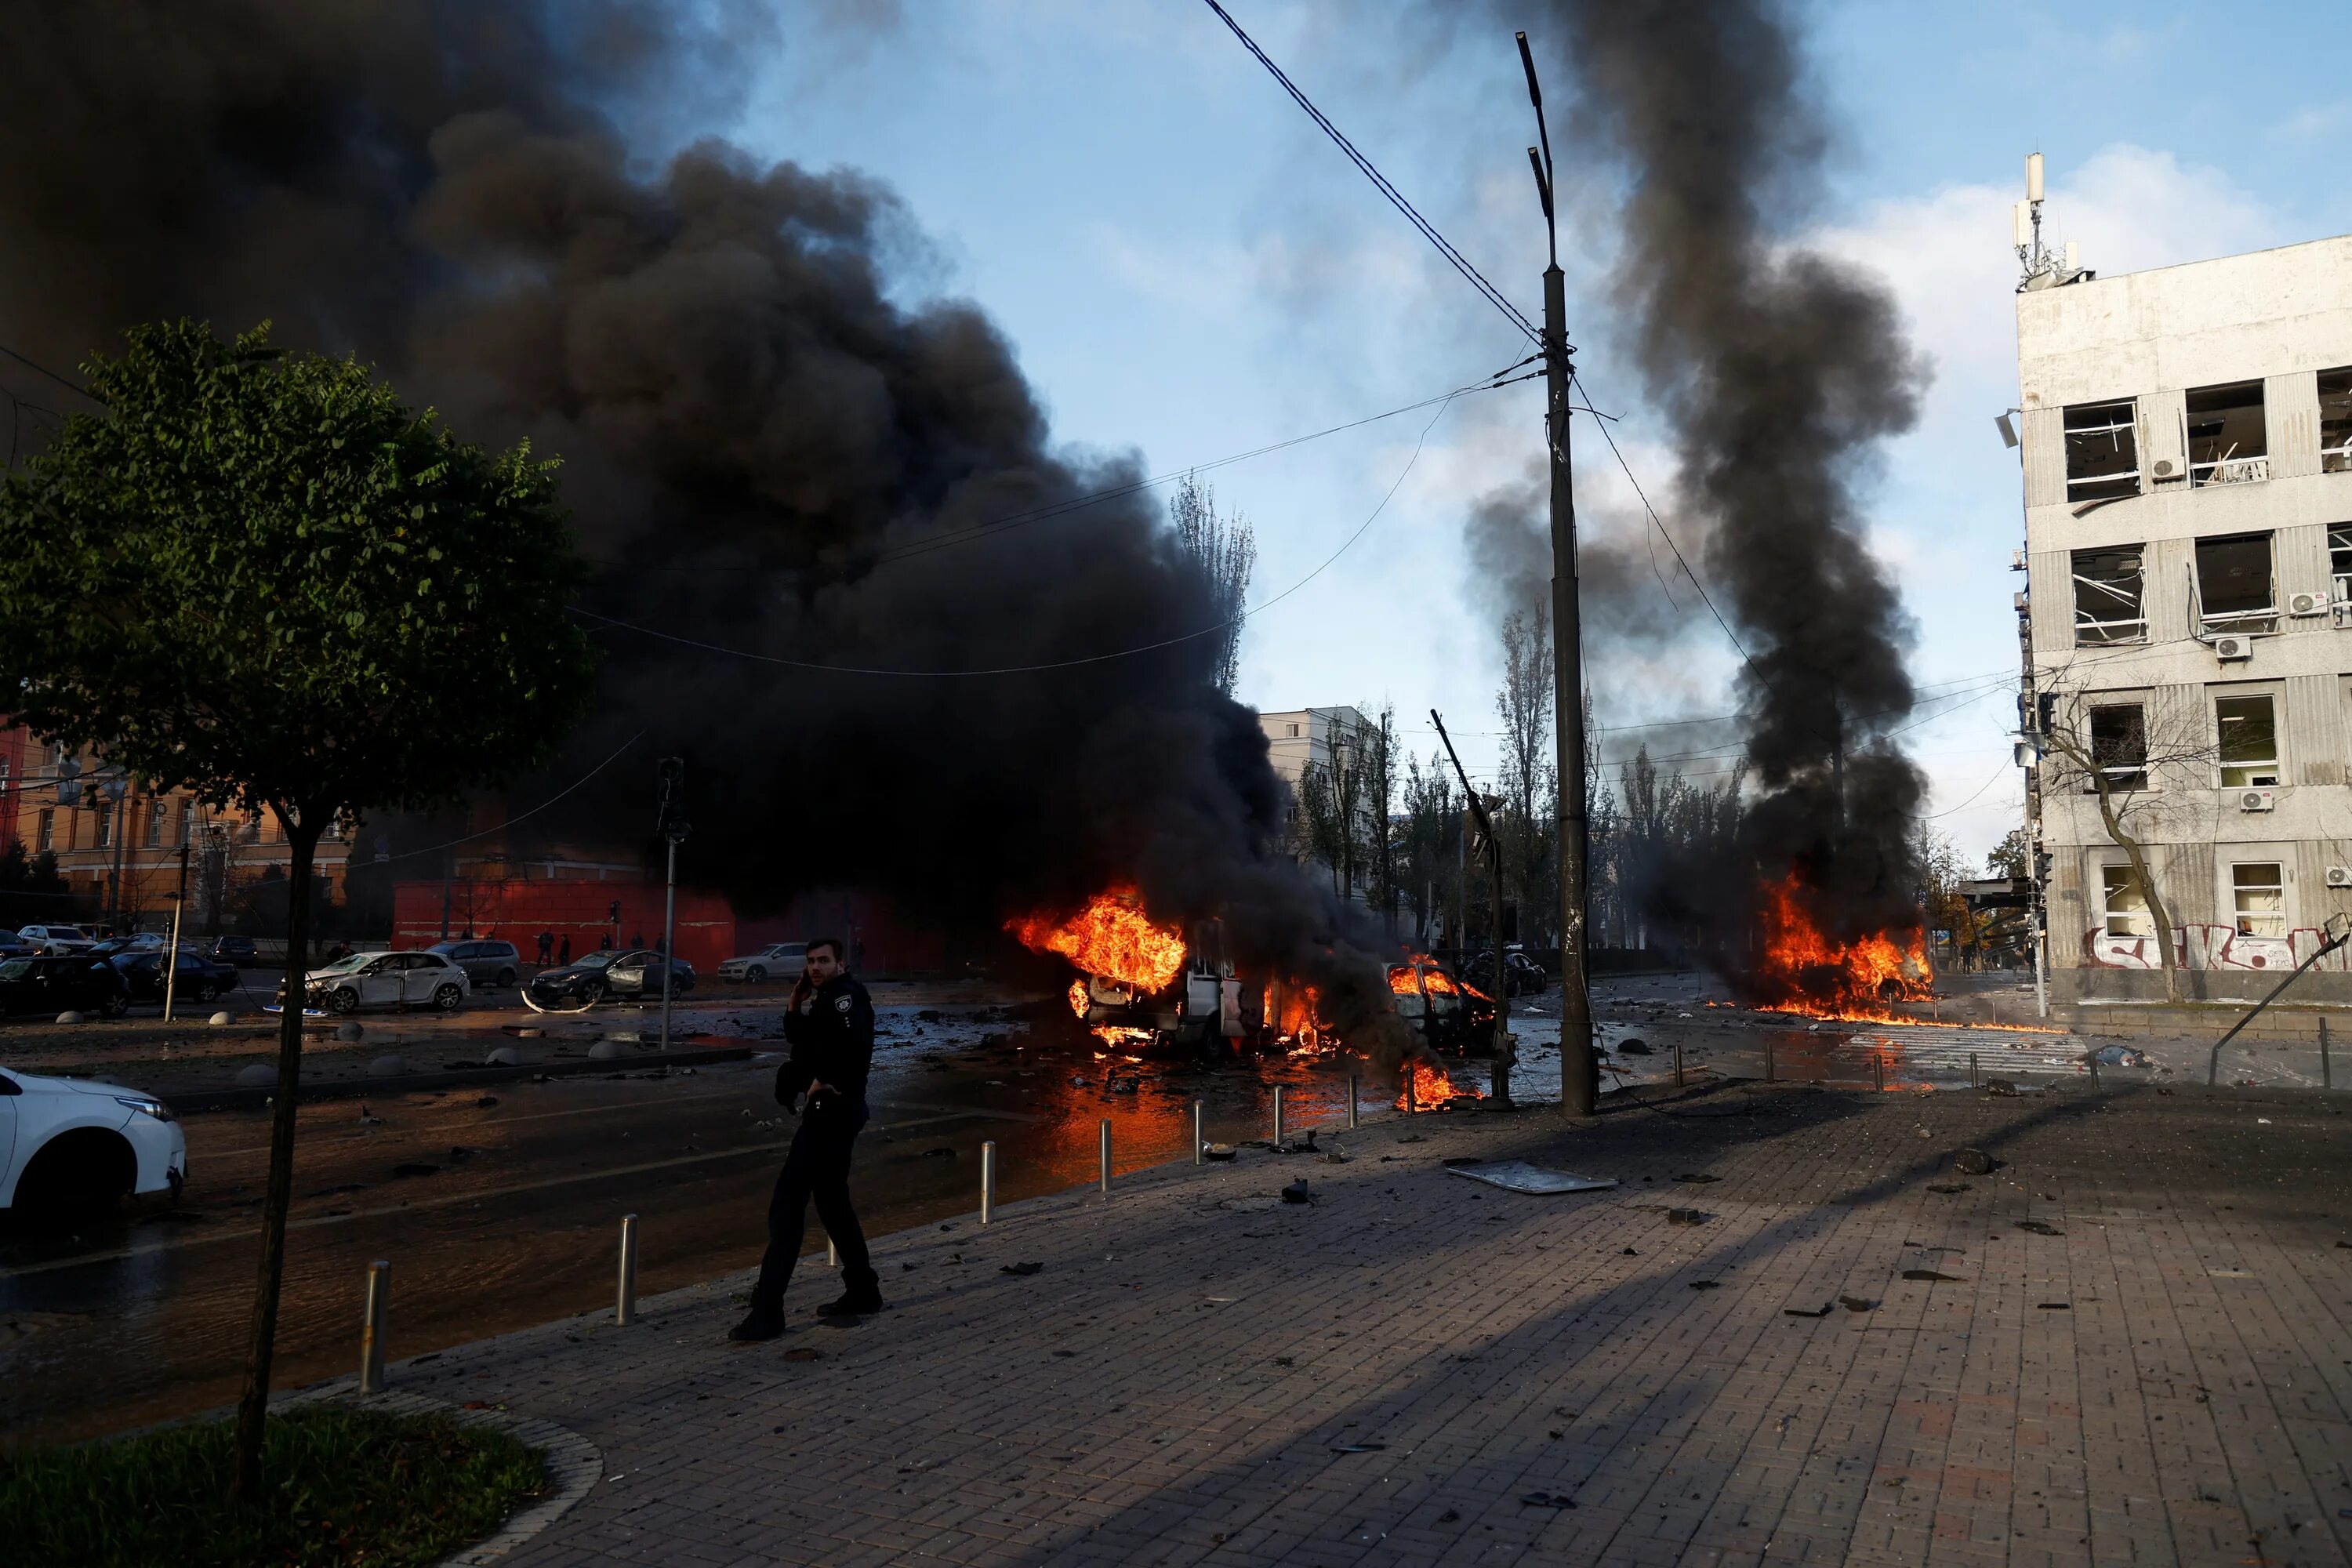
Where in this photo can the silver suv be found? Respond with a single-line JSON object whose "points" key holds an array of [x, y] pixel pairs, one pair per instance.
{"points": [[484, 962]]}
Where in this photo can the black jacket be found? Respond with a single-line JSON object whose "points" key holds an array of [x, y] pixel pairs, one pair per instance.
{"points": [[833, 1044]]}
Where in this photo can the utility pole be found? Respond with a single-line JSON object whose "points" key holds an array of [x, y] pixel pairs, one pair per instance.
{"points": [[171, 953], [673, 827], [1580, 1078], [1504, 1055]]}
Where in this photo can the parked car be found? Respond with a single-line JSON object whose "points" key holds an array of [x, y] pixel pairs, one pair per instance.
{"points": [[56, 939], [1526, 977], [200, 978], [236, 950], [609, 973], [778, 959], [60, 984], [484, 962], [384, 980], [14, 946], [72, 1146]]}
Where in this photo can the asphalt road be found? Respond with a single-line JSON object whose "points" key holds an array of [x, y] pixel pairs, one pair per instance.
{"points": [[509, 1212]]}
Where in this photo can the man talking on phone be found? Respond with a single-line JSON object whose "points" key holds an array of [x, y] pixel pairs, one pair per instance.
{"points": [[830, 1027]]}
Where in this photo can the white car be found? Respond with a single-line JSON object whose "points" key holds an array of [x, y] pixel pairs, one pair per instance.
{"points": [[74, 1146], [778, 959], [58, 940], [388, 980]]}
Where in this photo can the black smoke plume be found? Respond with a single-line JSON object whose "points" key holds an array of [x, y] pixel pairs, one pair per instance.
{"points": [[1778, 369], [765, 451]]}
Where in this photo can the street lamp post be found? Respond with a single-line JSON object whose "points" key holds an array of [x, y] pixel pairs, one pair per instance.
{"points": [[674, 830], [1580, 1085]]}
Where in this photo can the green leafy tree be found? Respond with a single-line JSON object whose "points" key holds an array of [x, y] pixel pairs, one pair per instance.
{"points": [[258, 578]]}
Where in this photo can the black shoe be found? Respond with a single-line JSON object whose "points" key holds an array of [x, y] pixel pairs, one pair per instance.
{"points": [[756, 1326], [855, 1304]]}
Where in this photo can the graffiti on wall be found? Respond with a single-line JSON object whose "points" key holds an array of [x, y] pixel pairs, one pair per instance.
{"points": [[2212, 947]]}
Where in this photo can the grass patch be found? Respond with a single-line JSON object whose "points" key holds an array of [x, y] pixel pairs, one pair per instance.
{"points": [[342, 1487]]}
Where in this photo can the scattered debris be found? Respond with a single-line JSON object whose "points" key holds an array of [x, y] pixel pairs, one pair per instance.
{"points": [[1697, 1176], [1999, 1086], [1857, 1303], [1298, 1192], [799, 1352], [2231, 1273], [1932, 1276], [1518, 1176], [1706, 1284], [1219, 1150], [2119, 1056], [941, 1152], [1546, 1500], [1948, 1187], [1023, 1270], [1633, 1049], [485, 1102], [1628, 1252], [1688, 1217], [1452, 1514], [1360, 1448], [2052, 1307], [1973, 1163], [415, 1168], [1827, 1308], [2036, 1226]]}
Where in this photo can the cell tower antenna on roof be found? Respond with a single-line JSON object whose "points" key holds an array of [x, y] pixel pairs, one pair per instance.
{"points": [[2044, 267]]}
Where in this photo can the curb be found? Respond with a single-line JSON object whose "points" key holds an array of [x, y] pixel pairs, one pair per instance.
{"points": [[348, 1089], [574, 1464]]}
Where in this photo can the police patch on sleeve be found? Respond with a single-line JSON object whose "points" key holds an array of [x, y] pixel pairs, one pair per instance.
{"points": [[842, 1003]]}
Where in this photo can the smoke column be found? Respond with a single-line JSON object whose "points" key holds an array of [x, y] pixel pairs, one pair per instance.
{"points": [[762, 451], [1778, 369]]}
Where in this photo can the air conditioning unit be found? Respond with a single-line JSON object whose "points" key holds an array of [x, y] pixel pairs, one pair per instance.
{"points": [[2343, 613], [2233, 647], [2306, 603], [2258, 800], [2339, 876], [2165, 468]]}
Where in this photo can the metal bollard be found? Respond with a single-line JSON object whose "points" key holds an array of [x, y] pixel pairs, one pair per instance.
{"points": [[988, 1182], [1972, 1071], [2091, 1059], [1678, 1063], [1878, 1070], [1351, 1102], [379, 1299], [1277, 1116], [1198, 1109], [1106, 1156], [2327, 1073], [1768, 1076], [832, 1253], [624, 1304], [1409, 1106]]}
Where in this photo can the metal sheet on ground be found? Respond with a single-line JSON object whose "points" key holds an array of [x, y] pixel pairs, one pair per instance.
{"points": [[1518, 1176]]}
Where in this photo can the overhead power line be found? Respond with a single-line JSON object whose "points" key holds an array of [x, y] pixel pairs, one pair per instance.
{"points": [[1429, 231]]}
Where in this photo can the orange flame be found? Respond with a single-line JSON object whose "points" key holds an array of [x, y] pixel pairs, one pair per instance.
{"points": [[1111, 937], [1431, 1088], [1079, 1000], [1805, 971]]}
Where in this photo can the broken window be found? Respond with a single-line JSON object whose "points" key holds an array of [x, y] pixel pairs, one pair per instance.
{"points": [[2226, 436], [2120, 744], [2107, 597], [2335, 421], [2339, 560], [2233, 584], [2102, 451], [2126, 902], [2261, 899], [2249, 748]]}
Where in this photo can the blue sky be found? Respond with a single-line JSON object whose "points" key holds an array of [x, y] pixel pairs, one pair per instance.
{"points": [[1188, 269]]}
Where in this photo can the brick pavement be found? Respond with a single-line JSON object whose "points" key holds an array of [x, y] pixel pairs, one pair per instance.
{"points": [[2163, 1377]]}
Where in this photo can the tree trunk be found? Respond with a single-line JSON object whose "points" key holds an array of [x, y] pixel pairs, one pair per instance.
{"points": [[2137, 854], [253, 1405]]}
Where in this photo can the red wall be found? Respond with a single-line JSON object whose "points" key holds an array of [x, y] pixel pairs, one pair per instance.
{"points": [[519, 910]]}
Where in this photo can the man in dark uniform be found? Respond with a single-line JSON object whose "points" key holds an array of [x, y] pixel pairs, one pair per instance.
{"points": [[830, 1027]]}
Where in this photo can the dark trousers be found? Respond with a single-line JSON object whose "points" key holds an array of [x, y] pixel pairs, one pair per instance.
{"points": [[817, 1167]]}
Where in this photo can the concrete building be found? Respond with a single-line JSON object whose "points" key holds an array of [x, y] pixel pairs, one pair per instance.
{"points": [[2187, 440], [1304, 735]]}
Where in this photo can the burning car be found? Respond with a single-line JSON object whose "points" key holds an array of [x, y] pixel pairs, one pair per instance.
{"points": [[1448, 1013], [1142, 983]]}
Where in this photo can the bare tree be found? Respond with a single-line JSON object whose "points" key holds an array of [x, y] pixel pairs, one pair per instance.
{"points": [[2121, 753], [1224, 549], [1346, 773], [1524, 704], [1432, 842], [1378, 767]]}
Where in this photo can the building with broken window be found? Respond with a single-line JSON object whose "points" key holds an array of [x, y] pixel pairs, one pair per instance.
{"points": [[2186, 438]]}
